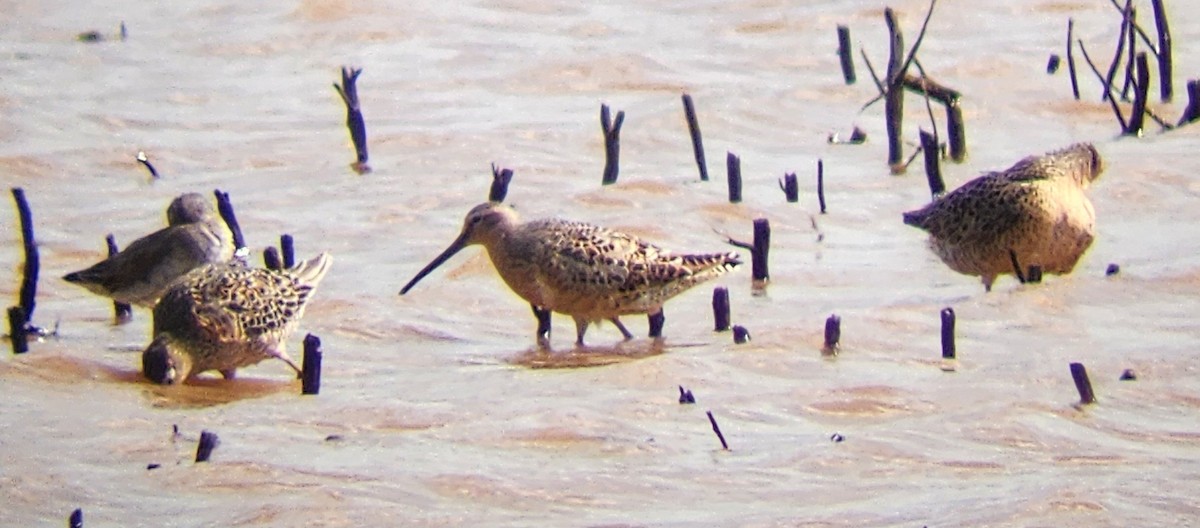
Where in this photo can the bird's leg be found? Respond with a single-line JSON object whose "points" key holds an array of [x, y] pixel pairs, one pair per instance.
{"points": [[543, 328], [657, 319], [580, 328], [228, 373], [987, 282], [624, 331], [282, 354]]}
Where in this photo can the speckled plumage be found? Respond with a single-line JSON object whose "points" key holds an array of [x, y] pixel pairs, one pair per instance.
{"points": [[227, 316], [143, 271], [588, 272], [1036, 209]]}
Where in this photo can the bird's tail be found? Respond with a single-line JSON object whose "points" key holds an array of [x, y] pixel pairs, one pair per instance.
{"points": [[311, 271]]}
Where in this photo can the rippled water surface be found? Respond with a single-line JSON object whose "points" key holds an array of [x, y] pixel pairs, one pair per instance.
{"points": [[436, 409]]}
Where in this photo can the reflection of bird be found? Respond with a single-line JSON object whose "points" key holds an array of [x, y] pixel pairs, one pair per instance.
{"points": [[141, 273], [226, 316], [585, 271], [1035, 213]]}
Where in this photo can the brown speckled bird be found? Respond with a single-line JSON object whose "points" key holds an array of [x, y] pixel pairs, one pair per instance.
{"points": [[587, 272], [226, 316], [143, 271], [1035, 210]]}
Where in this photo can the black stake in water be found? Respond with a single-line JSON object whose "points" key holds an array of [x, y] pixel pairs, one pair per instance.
{"points": [[846, 54], [1082, 384], [29, 275], [287, 250], [310, 377], [833, 334], [1126, 28], [1052, 64], [271, 259], [76, 519], [791, 189], [948, 351], [1137, 116], [122, 312], [740, 334], [685, 396], [500, 181], [1192, 112], [758, 250], [1112, 269], [141, 158], [1166, 88], [933, 170], [821, 184], [656, 321], [1034, 276], [354, 119], [16, 330], [1071, 57], [733, 165], [720, 305], [893, 102], [208, 442], [717, 429], [225, 207], [612, 143], [689, 112]]}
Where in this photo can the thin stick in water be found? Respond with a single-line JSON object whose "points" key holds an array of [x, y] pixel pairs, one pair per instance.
{"points": [[225, 207], [821, 184], [208, 442], [733, 165], [29, 275], [948, 349], [287, 251], [612, 143], [141, 158], [933, 171], [689, 112], [1165, 69], [717, 429], [354, 119], [1071, 57], [1137, 116], [833, 334], [846, 54]]}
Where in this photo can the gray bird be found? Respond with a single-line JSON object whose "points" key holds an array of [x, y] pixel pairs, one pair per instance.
{"points": [[142, 272]]}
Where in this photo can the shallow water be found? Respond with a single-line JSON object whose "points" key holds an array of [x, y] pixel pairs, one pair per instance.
{"points": [[435, 409]]}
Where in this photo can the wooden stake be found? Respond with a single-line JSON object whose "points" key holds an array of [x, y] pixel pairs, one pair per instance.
{"points": [[1082, 384], [894, 99], [76, 519], [16, 330], [686, 396], [720, 305], [948, 350], [612, 143], [29, 275], [348, 90], [225, 207], [1137, 116], [740, 334], [271, 259], [833, 334], [500, 181], [1071, 57], [689, 112], [933, 171], [733, 165], [310, 376], [1192, 112], [791, 189], [717, 429], [846, 54], [208, 442], [1165, 70], [287, 250]]}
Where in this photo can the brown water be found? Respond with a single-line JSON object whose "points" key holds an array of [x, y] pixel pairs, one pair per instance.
{"points": [[433, 411]]}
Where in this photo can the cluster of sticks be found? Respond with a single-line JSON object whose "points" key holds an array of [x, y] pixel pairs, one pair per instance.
{"points": [[1136, 70]]}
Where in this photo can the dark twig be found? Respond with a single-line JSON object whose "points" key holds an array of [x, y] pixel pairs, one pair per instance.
{"points": [[1082, 384], [733, 166], [1137, 116], [1192, 112], [686, 396], [310, 376], [17, 333], [1121, 38], [846, 54], [1167, 87], [874, 77], [122, 312], [893, 101], [287, 250], [1071, 57], [141, 158], [933, 171], [612, 143], [950, 99], [1141, 32], [1131, 58], [790, 188], [500, 181], [821, 184], [948, 350], [833, 334], [29, 275], [720, 305], [689, 113], [717, 429], [208, 442], [354, 119], [225, 207]]}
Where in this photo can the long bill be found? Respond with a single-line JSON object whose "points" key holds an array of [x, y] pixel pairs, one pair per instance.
{"points": [[455, 247]]}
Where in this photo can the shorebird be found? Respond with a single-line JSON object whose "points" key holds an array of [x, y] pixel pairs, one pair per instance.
{"points": [[143, 271], [585, 271], [226, 316], [1034, 213]]}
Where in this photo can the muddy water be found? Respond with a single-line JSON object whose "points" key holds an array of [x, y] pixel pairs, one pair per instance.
{"points": [[436, 410]]}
